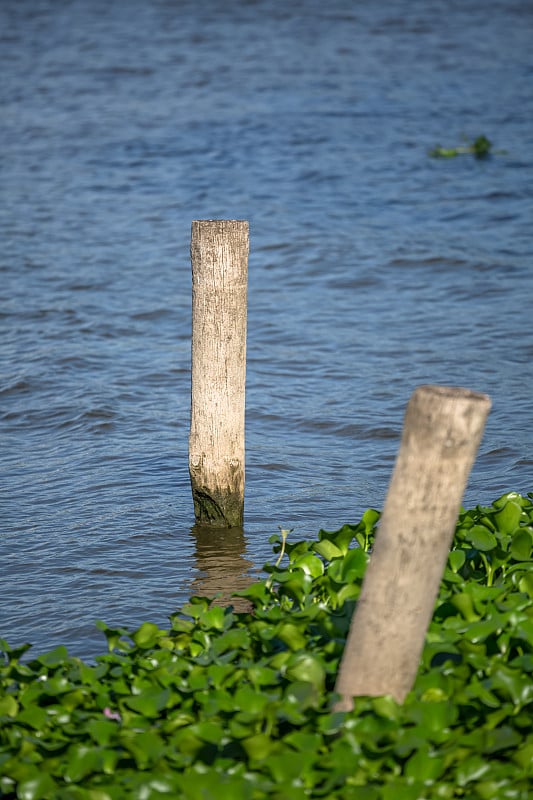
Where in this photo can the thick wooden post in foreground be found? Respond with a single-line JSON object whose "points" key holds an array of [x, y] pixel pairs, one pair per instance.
{"points": [[219, 257], [441, 435]]}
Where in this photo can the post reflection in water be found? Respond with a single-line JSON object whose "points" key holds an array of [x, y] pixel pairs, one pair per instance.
{"points": [[223, 568]]}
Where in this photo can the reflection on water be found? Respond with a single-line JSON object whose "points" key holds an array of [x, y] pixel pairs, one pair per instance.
{"points": [[222, 566]]}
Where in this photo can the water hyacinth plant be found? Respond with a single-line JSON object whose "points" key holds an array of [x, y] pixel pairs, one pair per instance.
{"points": [[479, 148], [238, 706]]}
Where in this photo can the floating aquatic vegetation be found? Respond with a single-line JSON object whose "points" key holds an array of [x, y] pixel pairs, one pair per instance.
{"points": [[238, 706], [479, 148]]}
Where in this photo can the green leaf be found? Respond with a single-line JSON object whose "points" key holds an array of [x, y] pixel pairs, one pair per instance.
{"points": [[479, 631], [508, 518], [521, 545], [306, 667], [147, 635], [292, 636], [82, 760], [526, 584], [8, 706], [423, 766], [214, 618], [327, 549], [464, 603], [233, 639], [34, 716], [40, 787], [471, 769], [370, 518], [456, 559], [54, 658], [102, 731], [481, 538], [258, 746], [341, 539], [310, 564], [114, 636], [287, 766], [249, 700], [150, 702], [354, 564], [146, 747]]}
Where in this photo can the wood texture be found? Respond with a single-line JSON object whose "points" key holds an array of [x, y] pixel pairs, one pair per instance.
{"points": [[442, 431], [219, 258]]}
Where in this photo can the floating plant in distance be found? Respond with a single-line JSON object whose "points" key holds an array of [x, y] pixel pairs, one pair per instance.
{"points": [[479, 148]]}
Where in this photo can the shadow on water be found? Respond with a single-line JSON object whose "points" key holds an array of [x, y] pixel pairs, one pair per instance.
{"points": [[222, 565]]}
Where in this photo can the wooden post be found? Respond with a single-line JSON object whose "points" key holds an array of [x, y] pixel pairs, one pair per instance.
{"points": [[219, 257], [441, 435]]}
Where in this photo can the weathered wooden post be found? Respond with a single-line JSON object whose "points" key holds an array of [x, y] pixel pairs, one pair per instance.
{"points": [[219, 257], [441, 435]]}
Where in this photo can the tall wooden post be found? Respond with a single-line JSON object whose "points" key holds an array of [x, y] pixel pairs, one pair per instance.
{"points": [[219, 257], [441, 435]]}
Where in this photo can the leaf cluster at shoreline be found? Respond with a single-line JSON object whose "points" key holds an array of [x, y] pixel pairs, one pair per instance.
{"points": [[239, 705]]}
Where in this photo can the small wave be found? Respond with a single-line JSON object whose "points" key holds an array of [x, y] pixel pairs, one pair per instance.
{"points": [[18, 386]]}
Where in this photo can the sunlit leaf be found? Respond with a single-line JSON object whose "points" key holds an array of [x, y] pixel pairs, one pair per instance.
{"points": [[54, 658], [508, 518], [147, 635], [306, 667], [481, 538], [39, 787], [310, 564], [456, 559], [258, 746], [521, 545], [150, 702], [327, 549], [8, 706]]}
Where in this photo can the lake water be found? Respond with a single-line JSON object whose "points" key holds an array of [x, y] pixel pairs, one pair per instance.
{"points": [[373, 269]]}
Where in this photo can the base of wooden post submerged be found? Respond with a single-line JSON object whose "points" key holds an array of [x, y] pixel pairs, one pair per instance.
{"points": [[442, 431], [216, 505], [219, 259]]}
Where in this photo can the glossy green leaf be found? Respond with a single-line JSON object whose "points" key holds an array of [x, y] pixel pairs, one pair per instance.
{"points": [[521, 545], [464, 603], [8, 706], [54, 658], [354, 564], [82, 761], [306, 667], [114, 636], [250, 700], [147, 635], [102, 731], [507, 518], [525, 584], [424, 766], [214, 618], [34, 716], [327, 549], [149, 702], [456, 559], [341, 538], [40, 787], [472, 768], [310, 564], [209, 731], [292, 635], [258, 746], [481, 538], [146, 747]]}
